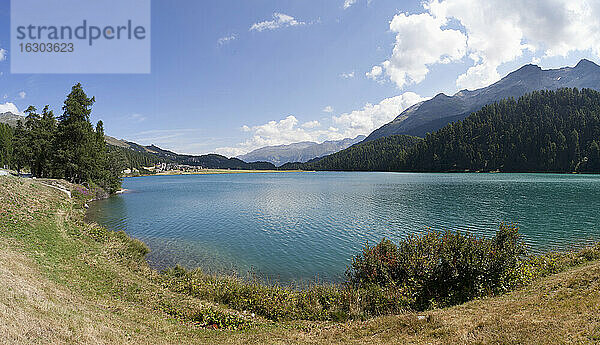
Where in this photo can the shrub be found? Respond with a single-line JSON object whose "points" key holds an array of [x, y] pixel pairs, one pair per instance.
{"points": [[435, 269], [441, 268]]}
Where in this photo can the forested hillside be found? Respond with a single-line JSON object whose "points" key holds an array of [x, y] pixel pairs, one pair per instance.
{"points": [[123, 153], [66, 147], [433, 114], [544, 131], [384, 154]]}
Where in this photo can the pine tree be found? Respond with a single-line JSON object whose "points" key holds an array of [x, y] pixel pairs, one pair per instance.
{"points": [[75, 137], [21, 151], [47, 141], [6, 145]]}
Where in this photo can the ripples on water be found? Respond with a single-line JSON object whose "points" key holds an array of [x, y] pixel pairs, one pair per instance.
{"points": [[302, 226]]}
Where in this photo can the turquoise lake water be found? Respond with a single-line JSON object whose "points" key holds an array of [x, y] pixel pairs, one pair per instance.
{"points": [[306, 226]]}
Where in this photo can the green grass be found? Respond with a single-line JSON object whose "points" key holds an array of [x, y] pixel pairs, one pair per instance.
{"points": [[65, 281]]}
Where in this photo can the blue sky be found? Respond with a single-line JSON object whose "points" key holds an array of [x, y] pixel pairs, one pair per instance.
{"points": [[231, 76]]}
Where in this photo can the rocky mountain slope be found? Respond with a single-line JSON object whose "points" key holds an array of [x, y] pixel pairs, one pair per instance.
{"points": [[10, 118], [299, 152], [431, 115]]}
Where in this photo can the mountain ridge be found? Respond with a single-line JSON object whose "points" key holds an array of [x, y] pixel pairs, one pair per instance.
{"points": [[433, 114], [157, 154], [302, 152]]}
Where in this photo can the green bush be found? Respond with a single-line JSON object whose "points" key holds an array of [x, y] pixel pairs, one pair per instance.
{"points": [[435, 269], [442, 268]]}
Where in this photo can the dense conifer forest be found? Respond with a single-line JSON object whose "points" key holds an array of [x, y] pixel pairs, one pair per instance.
{"points": [[66, 147], [544, 131], [383, 154]]}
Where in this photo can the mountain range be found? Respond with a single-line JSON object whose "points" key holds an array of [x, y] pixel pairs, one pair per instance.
{"points": [[209, 161], [433, 114], [417, 120], [299, 152], [10, 118], [136, 154]]}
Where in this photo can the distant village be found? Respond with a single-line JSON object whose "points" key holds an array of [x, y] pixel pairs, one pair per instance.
{"points": [[164, 168]]}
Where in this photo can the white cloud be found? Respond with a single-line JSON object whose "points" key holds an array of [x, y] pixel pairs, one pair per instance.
{"points": [[348, 3], [347, 75], [500, 31], [347, 125], [280, 132], [5, 96], [137, 117], [224, 40], [9, 108], [490, 33], [371, 117], [311, 124], [2, 54], [328, 109], [280, 20], [375, 73], [421, 40], [22, 94]]}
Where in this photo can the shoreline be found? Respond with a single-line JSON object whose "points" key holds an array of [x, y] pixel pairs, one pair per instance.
{"points": [[216, 172], [179, 306]]}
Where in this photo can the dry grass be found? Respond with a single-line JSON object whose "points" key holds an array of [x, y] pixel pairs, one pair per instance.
{"points": [[561, 309], [57, 285]]}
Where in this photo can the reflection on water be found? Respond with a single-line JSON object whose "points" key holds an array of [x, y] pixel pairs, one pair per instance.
{"points": [[294, 226]]}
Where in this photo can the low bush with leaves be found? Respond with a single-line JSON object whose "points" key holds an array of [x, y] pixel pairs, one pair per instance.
{"points": [[440, 269], [434, 269]]}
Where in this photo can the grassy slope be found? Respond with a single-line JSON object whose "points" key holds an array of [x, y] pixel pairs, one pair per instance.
{"points": [[67, 282]]}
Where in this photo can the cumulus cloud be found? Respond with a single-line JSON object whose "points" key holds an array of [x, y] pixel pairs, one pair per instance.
{"points": [[421, 40], [500, 31], [348, 3], [373, 116], [224, 40], [347, 125], [280, 20], [311, 124], [2, 54], [9, 107], [22, 94], [280, 132], [349, 75], [375, 73], [328, 109], [489, 33]]}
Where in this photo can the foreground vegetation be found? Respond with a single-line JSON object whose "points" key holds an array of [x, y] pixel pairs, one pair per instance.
{"points": [[65, 281]]}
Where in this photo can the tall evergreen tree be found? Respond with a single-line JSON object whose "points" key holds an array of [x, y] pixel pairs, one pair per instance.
{"points": [[21, 152], [6, 145], [46, 142], [75, 137]]}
